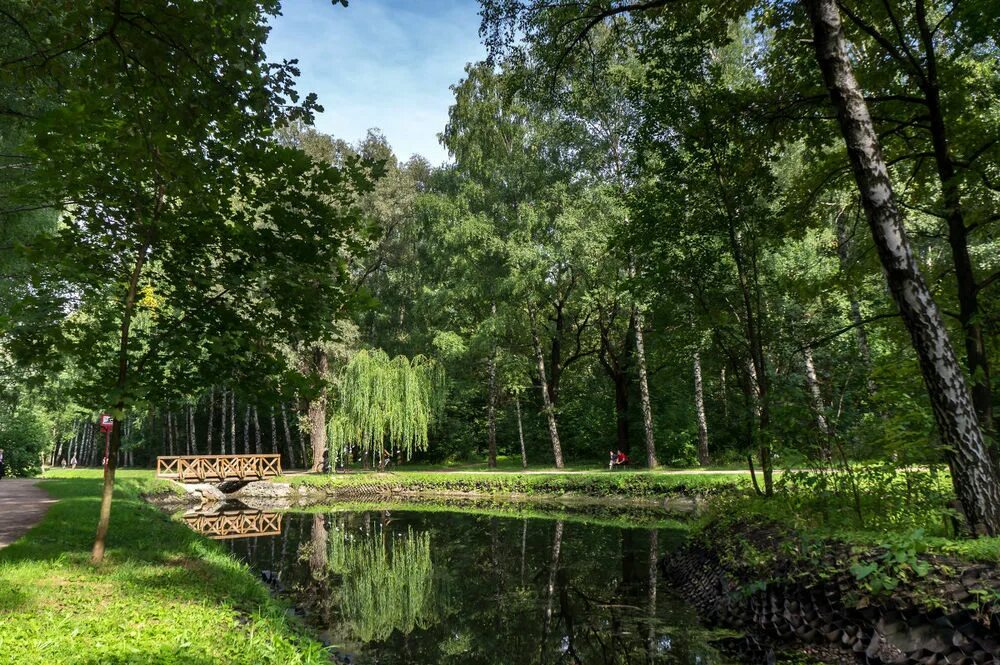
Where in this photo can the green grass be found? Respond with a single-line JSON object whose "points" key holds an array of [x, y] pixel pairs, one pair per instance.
{"points": [[605, 484], [164, 595], [512, 464], [150, 484]]}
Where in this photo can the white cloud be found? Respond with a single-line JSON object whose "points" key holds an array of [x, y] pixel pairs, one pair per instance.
{"points": [[381, 63]]}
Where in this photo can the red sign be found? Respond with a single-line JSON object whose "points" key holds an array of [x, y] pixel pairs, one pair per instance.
{"points": [[107, 422]]}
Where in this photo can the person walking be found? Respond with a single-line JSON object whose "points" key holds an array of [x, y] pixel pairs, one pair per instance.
{"points": [[3, 465], [72, 462]]}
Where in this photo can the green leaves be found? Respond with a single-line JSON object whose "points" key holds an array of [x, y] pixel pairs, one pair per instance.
{"points": [[384, 403], [165, 152]]}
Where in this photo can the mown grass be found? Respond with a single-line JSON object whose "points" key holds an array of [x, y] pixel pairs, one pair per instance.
{"points": [[511, 464], [164, 595], [623, 484]]}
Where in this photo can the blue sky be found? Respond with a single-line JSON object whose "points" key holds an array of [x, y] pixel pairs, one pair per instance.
{"points": [[381, 63]]}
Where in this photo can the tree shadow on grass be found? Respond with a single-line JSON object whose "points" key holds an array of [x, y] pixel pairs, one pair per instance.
{"points": [[150, 558], [138, 530]]}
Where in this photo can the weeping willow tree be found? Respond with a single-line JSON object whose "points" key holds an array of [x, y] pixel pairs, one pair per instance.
{"points": [[386, 405], [388, 584]]}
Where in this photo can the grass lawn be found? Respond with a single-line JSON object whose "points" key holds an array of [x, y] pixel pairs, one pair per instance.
{"points": [[603, 483], [163, 595], [512, 464]]}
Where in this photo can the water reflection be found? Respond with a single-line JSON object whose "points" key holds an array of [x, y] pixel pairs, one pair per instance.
{"points": [[444, 587], [222, 522]]}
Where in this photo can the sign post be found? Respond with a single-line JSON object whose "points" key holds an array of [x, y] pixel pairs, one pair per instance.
{"points": [[107, 424]]}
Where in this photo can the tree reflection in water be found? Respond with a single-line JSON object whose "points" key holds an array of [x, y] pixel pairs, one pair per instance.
{"points": [[439, 587]]}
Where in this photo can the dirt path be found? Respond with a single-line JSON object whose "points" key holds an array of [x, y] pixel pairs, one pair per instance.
{"points": [[22, 505]]}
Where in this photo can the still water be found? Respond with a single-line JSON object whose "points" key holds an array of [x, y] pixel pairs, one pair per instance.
{"points": [[388, 585]]}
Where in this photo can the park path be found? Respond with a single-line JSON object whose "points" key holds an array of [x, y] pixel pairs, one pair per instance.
{"points": [[22, 505]]}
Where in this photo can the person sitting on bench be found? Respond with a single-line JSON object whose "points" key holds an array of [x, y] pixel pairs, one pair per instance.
{"points": [[621, 459]]}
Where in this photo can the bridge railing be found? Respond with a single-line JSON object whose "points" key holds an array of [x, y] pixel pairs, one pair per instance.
{"points": [[235, 524], [219, 468]]}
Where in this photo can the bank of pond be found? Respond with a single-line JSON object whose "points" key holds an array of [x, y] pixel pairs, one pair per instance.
{"points": [[459, 579], [420, 581]]}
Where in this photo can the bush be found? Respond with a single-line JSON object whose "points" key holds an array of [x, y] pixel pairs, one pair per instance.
{"points": [[878, 497], [23, 438]]}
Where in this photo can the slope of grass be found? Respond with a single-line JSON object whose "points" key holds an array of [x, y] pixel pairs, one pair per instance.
{"points": [[165, 595]]}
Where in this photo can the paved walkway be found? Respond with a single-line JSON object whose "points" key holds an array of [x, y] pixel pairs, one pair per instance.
{"points": [[22, 505]]}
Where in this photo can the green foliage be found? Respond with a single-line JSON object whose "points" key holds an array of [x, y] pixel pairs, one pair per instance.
{"points": [[24, 437], [386, 402], [876, 497], [898, 563]]}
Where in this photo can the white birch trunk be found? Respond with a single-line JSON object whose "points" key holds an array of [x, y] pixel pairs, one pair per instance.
{"points": [[647, 409], [550, 414], [973, 468], [520, 433], [699, 408]]}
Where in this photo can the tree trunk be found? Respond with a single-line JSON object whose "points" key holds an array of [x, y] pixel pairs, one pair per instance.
{"points": [[969, 315], [555, 355], [763, 449], [211, 420], [256, 432], [104, 520], [699, 409], [725, 393], [973, 468], [520, 433], [170, 433], [647, 409], [491, 411], [844, 254], [246, 430], [274, 433], [752, 328], [550, 414], [232, 421], [317, 413], [192, 433], [621, 412], [553, 569], [223, 423], [651, 583], [319, 541], [303, 449], [289, 448], [815, 396]]}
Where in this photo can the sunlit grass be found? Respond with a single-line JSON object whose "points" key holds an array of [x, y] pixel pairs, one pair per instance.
{"points": [[164, 595], [605, 483]]}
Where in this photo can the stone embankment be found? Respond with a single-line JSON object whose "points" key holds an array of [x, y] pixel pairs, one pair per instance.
{"points": [[254, 494], [815, 597]]}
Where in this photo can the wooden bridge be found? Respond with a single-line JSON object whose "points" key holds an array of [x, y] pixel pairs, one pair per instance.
{"points": [[218, 468], [235, 523]]}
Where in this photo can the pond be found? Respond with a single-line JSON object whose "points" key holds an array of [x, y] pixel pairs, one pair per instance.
{"points": [[390, 585]]}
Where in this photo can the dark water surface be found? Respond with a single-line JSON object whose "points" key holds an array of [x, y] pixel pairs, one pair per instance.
{"points": [[395, 586]]}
